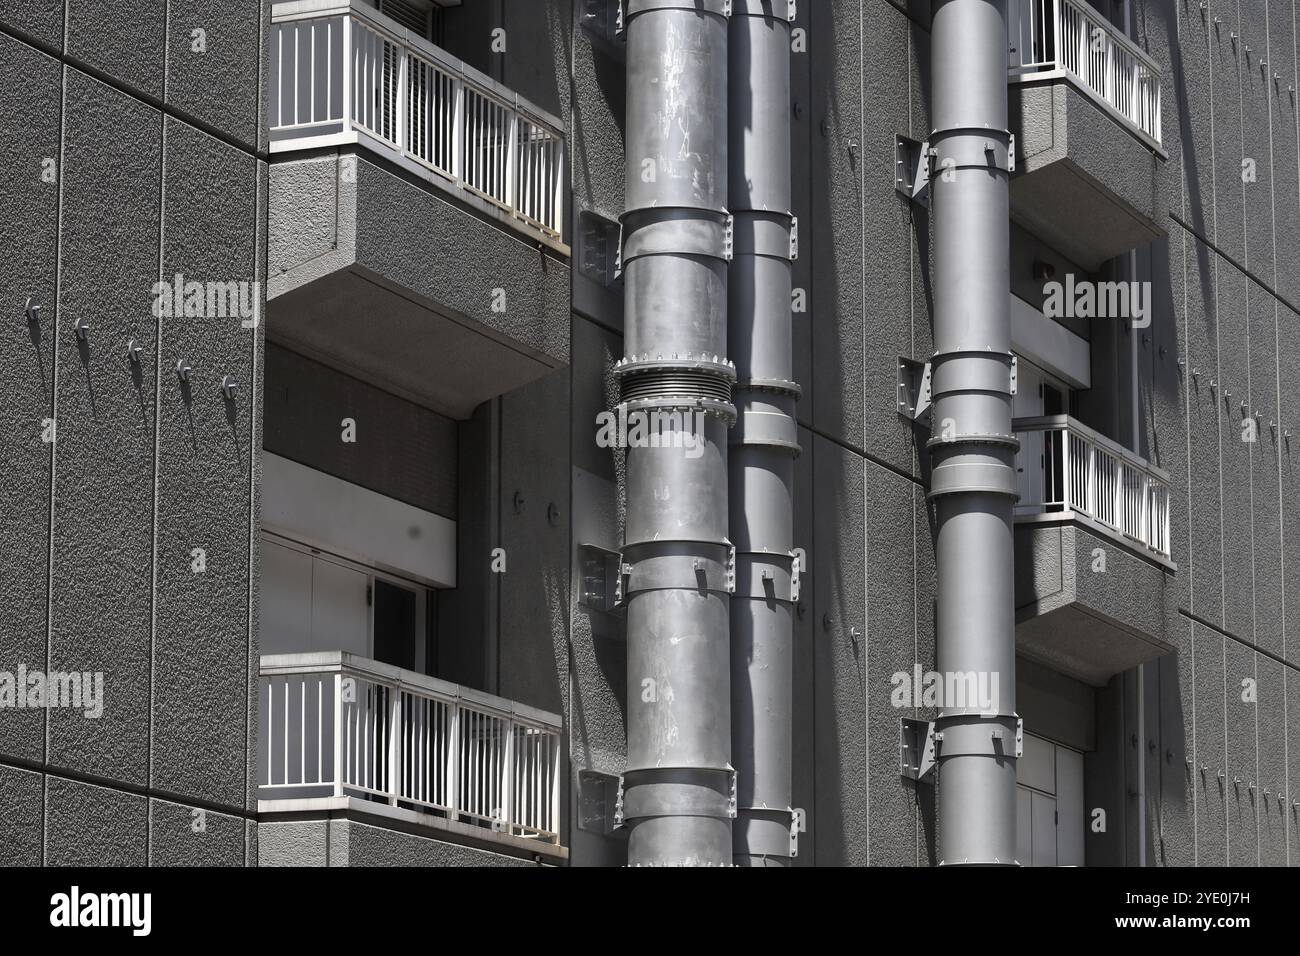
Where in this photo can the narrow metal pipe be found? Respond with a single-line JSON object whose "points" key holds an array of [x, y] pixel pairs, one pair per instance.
{"points": [[678, 797], [764, 442], [973, 486]]}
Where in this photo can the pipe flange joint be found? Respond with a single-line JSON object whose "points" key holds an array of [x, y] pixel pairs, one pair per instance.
{"points": [[685, 381], [780, 386], [972, 438], [711, 364]]}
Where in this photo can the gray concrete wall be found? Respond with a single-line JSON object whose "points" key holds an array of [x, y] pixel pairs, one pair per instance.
{"points": [[346, 842], [135, 157], [409, 452], [143, 472]]}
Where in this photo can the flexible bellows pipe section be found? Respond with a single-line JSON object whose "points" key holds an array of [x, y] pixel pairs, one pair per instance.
{"points": [[678, 797], [973, 487], [764, 442]]}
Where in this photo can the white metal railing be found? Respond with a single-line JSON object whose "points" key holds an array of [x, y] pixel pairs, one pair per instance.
{"points": [[343, 72], [333, 724], [1086, 474], [1071, 37]]}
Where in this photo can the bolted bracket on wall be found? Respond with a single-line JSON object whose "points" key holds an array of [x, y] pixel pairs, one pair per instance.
{"points": [[731, 568], [919, 743], [794, 238], [599, 801], [796, 573], [912, 170], [798, 824], [618, 804], [918, 748], [913, 393], [603, 22], [602, 579]]}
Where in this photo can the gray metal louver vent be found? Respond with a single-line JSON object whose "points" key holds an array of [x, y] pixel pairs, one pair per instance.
{"points": [[412, 14]]}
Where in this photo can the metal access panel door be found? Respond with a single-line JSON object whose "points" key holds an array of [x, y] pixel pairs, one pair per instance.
{"points": [[1043, 823], [1069, 807], [1028, 403]]}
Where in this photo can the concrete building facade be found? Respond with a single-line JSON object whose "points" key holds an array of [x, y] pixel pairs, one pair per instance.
{"points": [[315, 308]]}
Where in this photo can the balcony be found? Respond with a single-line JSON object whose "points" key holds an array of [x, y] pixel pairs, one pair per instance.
{"points": [[409, 197], [340, 732], [1085, 106], [1088, 478], [1083, 608], [1070, 39], [343, 73]]}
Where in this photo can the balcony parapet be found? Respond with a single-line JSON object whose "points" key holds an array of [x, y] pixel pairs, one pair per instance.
{"points": [[341, 72], [1090, 478], [334, 725]]}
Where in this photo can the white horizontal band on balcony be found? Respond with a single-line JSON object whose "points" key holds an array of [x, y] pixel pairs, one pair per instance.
{"points": [[357, 522], [1050, 345]]}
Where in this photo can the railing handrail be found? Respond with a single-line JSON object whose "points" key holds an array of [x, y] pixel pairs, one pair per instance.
{"points": [[1090, 478], [1123, 39], [345, 662], [286, 11], [1050, 38], [1040, 423]]}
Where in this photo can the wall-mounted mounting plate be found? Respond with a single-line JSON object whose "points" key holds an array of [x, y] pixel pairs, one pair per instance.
{"points": [[598, 795], [913, 395], [599, 589], [917, 748], [912, 170]]}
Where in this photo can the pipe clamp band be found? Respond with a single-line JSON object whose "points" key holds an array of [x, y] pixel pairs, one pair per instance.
{"points": [[954, 478], [972, 148], [680, 232], [766, 576], [971, 372], [973, 735], [761, 233], [771, 429], [720, 8]]}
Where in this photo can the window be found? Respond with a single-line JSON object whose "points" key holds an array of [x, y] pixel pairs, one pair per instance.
{"points": [[1116, 11], [312, 600], [1038, 393], [418, 16]]}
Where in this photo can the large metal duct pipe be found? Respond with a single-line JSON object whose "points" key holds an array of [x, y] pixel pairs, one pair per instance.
{"points": [[678, 571], [973, 485], [764, 442]]}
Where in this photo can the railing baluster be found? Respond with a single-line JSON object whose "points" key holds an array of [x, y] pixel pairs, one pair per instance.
{"points": [[395, 732], [453, 763]]}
